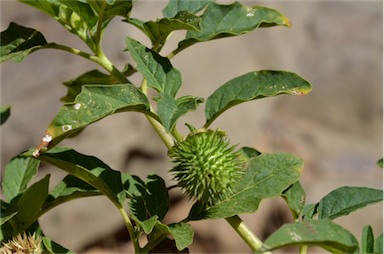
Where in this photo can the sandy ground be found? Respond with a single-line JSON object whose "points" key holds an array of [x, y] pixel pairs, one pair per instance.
{"points": [[336, 129]]}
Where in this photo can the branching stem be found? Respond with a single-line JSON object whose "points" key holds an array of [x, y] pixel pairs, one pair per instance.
{"points": [[153, 243], [240, 227], [159, 128], [130, 229]]}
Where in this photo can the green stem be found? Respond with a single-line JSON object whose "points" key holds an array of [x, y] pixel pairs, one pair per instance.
{"points": [[153, 243], [70, 50], [103, 61], [106, 64], [99, 31], [176, 134], [130, 229], [176, 51], [303, 249], [100, 59], [159, 128], [244, 232]]}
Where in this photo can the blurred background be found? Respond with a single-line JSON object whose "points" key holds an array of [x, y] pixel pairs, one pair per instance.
{"points": [[337, 129]]}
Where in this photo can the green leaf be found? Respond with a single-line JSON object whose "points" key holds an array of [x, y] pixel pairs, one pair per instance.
{"points": [[219, 21], [246, 153], [92, 77], [107, 10], [323, 233], [8, 211], [5, 112], [78, 17], [159, 230], [53, 247], [68, 189], [266, 176], [295, 198], [345, 200], [17, 175], [251, 86], [367, 240], [92, 104], [85, 19], [157, 199], [310, 211], [152, 200], [18, 41], [157, 70], [175, 6], [132, 185], [138, 209], [158, 31], [31, 202], [182, 234], [378, 248], [6, 231], [84, 14], [147, 225], [380, 163], [170, 110], [87, 168]]}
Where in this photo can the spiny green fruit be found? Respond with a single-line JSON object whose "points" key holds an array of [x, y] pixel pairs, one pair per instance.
{"points": [[206, 167], [23, 244]]}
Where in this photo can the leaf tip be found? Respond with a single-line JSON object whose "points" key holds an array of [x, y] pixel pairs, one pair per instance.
{"points": [[287, 22], [296, 92], [300, 92]]}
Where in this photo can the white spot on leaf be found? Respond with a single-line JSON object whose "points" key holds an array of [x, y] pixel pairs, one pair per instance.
{"points": [[250, 12], [36, 153], [295, 236], [66, 128], [47, 138], [77, 106]]}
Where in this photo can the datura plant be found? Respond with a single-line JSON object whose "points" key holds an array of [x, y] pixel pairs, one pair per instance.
{"points": [[223, 180]]}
